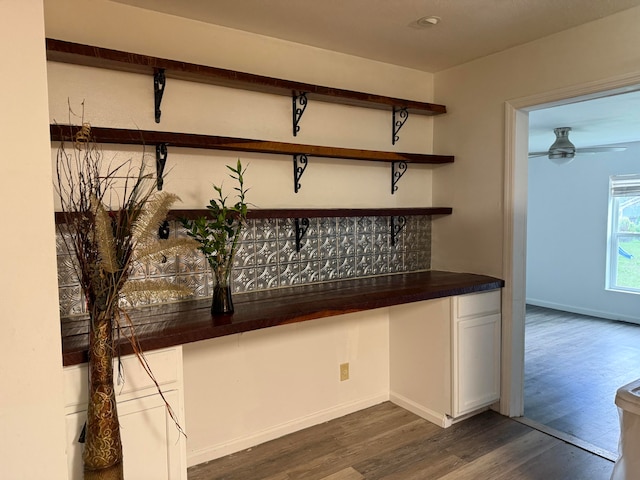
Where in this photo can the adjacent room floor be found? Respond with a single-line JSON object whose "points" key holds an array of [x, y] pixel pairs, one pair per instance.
{"points": [[574, 365]]}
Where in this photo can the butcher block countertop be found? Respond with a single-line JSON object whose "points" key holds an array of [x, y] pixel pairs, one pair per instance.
{"points": [[270, 308]]}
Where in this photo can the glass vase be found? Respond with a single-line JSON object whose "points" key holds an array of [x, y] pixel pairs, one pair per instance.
{"points": [[221, 302]]}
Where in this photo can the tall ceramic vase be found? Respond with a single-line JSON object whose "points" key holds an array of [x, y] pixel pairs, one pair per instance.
{"points": [[102, 454], [221, 303]]}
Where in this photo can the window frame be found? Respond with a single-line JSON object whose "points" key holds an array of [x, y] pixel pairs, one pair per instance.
{"points": [[619, 186]]}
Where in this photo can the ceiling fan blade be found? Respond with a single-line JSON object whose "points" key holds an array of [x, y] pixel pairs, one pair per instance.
{"points": [[538, 154], [600, 149]]}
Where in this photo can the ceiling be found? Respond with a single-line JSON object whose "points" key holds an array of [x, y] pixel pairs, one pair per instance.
{"points": [[609, 120], [388, 31]]}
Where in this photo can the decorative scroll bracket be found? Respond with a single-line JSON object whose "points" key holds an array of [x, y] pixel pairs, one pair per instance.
{"points": [[398, 169], [302, 225], [400, 116], [299, 104], [164, 231], [159, 82], [300, 163], [161, 161], [397, 225]]}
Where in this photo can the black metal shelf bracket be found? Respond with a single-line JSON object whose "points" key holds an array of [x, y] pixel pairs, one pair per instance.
{"points": [[397, 225], [161, 161], [300, 163], [302, 225], [159, 82], [164, 230], [299, 104], [398, 169], [400, 116]]}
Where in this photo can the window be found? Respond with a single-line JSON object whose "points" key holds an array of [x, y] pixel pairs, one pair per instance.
{"points": [[623, 262]]}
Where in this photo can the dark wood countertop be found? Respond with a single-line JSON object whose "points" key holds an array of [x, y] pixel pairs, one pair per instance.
{"points": [[271, 308]]}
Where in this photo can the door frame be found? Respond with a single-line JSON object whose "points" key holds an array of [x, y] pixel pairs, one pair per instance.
{"points": [[515, 222]]}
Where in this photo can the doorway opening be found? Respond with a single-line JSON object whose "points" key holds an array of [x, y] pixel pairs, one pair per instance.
{"points": [[576, 353]]}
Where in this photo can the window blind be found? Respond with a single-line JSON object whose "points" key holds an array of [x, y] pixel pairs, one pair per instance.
{"points": [[625, 185]]}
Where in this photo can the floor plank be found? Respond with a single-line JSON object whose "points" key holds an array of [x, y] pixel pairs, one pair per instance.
{"points": [[562, 462], [346, 474], [503, 460], [387, 442]]}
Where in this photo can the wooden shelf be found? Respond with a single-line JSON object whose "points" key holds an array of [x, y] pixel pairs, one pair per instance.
{"points": [[75, 53], [323, 212], [307, 213], [188, 140], [270, 308]]}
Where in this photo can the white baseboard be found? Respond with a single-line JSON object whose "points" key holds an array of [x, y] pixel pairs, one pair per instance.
{"points": [[582, 311], [216, 451], [439, 419]]}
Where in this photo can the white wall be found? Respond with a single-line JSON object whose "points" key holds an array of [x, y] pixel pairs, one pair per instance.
{"points": [[31, 401], [567, 235], [474, 130], [125, 100], [244, 389]]}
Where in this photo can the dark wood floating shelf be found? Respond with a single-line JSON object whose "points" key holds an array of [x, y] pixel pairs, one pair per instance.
{"points": [[188, 140], [271, 308], [307, 213], [323, 212], [75, 53]]}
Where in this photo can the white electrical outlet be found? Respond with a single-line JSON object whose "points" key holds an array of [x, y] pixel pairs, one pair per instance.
{"points": [[344, 372]]}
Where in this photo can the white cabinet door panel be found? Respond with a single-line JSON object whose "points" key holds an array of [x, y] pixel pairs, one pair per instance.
{"points": [[149, 439], [476, 363], [153, 448]]}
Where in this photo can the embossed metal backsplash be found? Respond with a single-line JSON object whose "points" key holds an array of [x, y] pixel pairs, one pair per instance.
{"points": [[332, 249]]}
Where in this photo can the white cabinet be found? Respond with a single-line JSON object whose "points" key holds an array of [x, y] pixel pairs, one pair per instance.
{"points": [[153, 449], [444, 355], [475, 351]]}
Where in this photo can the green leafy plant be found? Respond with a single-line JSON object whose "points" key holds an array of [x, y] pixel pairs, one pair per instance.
{"points": [[218, 235]]}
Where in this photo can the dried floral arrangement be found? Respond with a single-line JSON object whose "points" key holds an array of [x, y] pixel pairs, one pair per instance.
{"points": [[112, 215]]}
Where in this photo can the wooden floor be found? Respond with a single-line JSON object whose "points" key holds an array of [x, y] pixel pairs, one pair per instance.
{"points": [[387, 442], [573, 366]]}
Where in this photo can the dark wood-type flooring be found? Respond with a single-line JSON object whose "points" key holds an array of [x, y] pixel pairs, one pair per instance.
{"points": [[388, 442], [574, 365]]}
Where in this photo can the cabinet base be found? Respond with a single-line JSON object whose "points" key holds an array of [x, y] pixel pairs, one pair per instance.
{"points": [[440, 419]]}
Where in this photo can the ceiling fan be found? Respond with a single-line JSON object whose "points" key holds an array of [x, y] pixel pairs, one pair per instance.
{"points": [[563, 151]]}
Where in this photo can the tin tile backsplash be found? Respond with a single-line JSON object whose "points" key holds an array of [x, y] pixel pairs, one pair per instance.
{"points": [[333, 248]]}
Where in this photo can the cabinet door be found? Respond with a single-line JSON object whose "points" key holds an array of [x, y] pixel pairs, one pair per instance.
{"points": [[150, 441], [476, 363]]}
